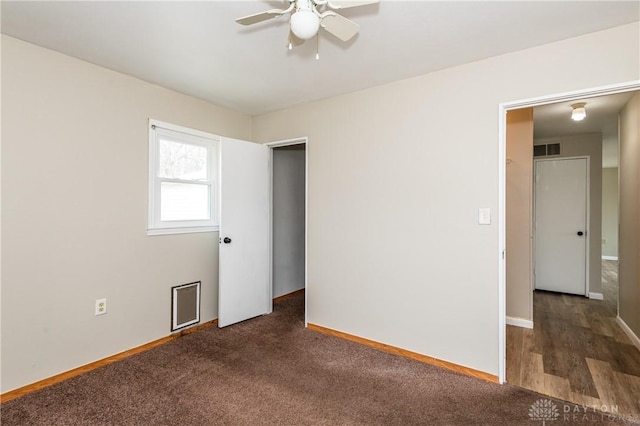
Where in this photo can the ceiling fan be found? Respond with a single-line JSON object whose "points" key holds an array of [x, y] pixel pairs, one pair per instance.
{"points": [[308, 16]]}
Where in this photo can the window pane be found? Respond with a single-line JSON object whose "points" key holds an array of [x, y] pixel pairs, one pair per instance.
{"points": [[184, 201], [182, 161]]}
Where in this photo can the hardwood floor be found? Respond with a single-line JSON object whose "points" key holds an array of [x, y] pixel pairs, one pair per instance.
{"points": [[577, 352]]}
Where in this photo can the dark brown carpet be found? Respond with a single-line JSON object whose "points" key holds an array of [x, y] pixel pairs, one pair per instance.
{"points": [[272, 371]]}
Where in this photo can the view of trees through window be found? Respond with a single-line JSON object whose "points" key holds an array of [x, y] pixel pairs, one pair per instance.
{"points": [[182, 161]]}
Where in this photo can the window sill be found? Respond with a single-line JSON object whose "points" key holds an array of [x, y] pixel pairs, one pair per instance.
{"points": [[186, 230]]}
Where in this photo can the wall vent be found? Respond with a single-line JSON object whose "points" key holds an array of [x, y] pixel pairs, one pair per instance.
{"points": [[185, 305], [546, 150]]}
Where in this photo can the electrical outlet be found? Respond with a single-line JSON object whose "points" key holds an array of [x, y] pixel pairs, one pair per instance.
{"points": [[101, 307]]}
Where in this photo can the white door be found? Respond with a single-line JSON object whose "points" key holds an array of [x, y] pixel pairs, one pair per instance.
{"points": [[243, 290], [560, 217]]}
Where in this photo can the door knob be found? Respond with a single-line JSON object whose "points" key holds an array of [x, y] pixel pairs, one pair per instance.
{"points": [[226, 240], [580, 234]]}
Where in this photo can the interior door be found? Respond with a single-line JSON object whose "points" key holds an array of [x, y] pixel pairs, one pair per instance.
{"points": [[560, 218], [243, 290]]}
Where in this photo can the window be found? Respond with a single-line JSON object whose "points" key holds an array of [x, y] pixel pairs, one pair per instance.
{"points": [[182, 171]]}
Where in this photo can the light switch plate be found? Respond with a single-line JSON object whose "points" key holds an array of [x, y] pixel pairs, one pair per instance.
{"points": [[484, 216]]}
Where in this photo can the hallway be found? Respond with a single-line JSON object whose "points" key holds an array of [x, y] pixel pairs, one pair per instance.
{"points": [[577, 352]]}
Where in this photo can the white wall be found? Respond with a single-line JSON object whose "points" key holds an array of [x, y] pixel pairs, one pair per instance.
{"points": [[74, 213], [610, 212], [396, 176], [589, 144], [288, 220]]}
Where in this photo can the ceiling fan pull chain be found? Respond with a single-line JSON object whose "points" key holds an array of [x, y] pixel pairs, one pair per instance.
{"points": [[318, 46]]}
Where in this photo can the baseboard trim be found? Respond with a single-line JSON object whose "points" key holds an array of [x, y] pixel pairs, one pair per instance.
{"points": [[609, 257], [405, 353], [520, 322], [288, 295], [634, 338], [41, 384], [596, 296]]}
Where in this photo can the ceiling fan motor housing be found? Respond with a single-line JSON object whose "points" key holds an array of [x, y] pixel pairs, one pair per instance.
{"points": [[305, 23]]}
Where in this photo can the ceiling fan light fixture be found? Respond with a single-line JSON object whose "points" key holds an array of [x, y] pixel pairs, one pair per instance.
{"points": [[579, 111], [305, 24], [307, 16]]}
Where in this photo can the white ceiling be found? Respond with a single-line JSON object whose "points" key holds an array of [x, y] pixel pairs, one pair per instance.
{"points": [[196, 47], [602, 117]]}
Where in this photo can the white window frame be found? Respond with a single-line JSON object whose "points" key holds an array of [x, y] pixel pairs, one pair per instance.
{"points": [[186, 135]]}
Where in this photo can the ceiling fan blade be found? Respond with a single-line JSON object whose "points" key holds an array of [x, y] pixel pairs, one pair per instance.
{"points": [[344, 4], [294, 40], [339, 26], [259, 17]]}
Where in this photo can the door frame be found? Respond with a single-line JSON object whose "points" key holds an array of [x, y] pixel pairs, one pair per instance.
{"points": [[277, 144], [502, 191], [587, 216]]}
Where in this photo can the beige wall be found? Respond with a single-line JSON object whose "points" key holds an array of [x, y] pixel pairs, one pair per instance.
{"points": [[74, 213], [629, 247], [519, 210], [395, 252], [588, 145], [610, 212], [396, 176]]}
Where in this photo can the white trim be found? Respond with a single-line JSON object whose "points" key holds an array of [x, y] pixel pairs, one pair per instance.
{"points": [[610, 89], [171, 231], [589, 230], [520, 322], [276, 144], [270, 250], [502, 243], [634, 338], [503, 107], [182, 129], [609, 257], [288, 142], [596, 296], [209, 141]]}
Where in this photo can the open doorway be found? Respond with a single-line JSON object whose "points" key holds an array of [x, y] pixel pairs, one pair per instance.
{"points": [[571, 347], [288, 221]]}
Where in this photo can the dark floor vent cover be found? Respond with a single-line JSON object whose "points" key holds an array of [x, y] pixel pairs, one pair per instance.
{"points": [[185, 302]]}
